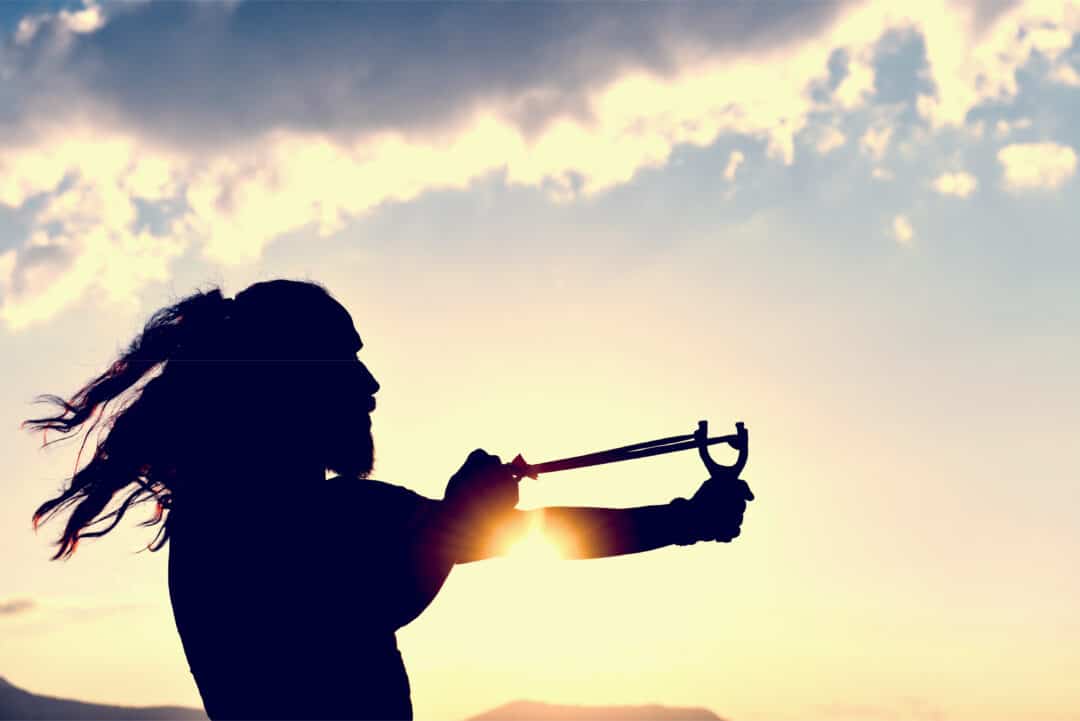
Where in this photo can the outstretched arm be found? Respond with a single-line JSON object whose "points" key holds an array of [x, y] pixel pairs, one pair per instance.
{"points": [[477, 519], [442, 535]]}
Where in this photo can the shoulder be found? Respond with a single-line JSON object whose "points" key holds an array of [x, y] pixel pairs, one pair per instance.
{"points": [[383, 509], [379, 496]]}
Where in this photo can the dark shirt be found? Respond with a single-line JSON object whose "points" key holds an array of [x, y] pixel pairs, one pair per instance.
{"points": [[287, 609]]}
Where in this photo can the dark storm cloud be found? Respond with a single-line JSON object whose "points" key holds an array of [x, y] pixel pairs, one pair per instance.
{"points": [[204, 74]]}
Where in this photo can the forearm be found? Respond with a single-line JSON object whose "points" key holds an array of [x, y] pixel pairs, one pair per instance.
{"points": [[582, 532]]}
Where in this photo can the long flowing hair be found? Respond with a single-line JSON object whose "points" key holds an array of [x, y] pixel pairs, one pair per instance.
{"points": [[159, 388]]}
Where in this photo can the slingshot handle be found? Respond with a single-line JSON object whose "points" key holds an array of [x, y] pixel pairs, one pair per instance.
{"points": [[520, 468]]}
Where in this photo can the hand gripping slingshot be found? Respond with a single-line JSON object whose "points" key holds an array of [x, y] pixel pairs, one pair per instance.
{"points": [[698, 439]]}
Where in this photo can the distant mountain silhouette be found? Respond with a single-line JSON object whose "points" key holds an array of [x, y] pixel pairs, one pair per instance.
{"points": [[19, 705], [536, 711]]}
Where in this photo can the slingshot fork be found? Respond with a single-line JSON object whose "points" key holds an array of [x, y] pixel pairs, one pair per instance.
{"points": [[740, 442]]}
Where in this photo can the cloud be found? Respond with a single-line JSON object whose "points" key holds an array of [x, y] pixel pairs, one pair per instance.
{"points": [[734, 161], [85, 234], [167, 104], [875, 141], [207, 74], [882, 174], [62, 24], [973, 59], [1003, 128], [858, 85], [1066, 74], [15, 606], [902, 230], [1037, 166], [829, 140], [960, 184], [30, 617], [191, 113]]}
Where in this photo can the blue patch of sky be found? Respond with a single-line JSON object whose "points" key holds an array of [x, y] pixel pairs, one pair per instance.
{"points": [[1072, 54], [12, 11], [1053, 107], [154, 216], [16, 223], [13, 228]]}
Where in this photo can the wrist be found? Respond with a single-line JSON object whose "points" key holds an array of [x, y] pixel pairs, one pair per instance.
{"points": [[683, 523], [458, 511]]}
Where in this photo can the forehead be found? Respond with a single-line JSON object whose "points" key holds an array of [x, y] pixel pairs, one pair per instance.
{"points": [[317, 327], [339, 328]]}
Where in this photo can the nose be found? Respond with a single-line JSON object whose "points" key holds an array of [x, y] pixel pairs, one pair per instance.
{"points": [[369, 380]]}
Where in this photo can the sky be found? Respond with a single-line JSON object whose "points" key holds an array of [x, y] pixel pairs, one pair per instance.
{"points": [[565, 227]]}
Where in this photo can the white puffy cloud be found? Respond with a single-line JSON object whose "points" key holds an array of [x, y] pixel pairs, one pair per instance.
{"points": [[960, 184], [875, 141], [902, 230], [734, 161], [971, 65], [1066, 75], [829, 140], [1036, 166], [85, 235], [1003, 128], [84, 20], [857, 86]]}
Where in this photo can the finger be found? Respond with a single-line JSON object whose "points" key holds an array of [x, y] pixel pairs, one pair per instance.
{"points": [[477, 454], [747, 493], [508, 478], [729, 535], [501, 499]]}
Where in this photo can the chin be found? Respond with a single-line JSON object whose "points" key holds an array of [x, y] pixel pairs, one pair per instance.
{"points": [[356, 457]]}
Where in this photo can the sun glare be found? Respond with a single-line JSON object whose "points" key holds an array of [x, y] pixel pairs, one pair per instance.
{"points": [[535, 545]]}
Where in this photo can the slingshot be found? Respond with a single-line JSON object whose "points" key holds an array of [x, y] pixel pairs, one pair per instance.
{"points": [[698, 439]]}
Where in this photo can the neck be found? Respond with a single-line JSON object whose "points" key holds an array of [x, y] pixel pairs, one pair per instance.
{"points": [[258, 475]]}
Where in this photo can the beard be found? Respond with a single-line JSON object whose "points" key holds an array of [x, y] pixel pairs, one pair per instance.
{"points": [[351, 454]]}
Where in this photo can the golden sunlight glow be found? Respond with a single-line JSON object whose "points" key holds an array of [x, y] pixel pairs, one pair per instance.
{"points": [[535, 545]]}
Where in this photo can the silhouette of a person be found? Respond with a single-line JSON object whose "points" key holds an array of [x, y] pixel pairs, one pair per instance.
{"points": [[289, 583]]}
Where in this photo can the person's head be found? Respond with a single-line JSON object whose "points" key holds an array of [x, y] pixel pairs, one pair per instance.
{"points": [[212, 391]]}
